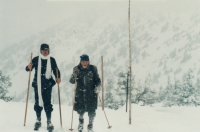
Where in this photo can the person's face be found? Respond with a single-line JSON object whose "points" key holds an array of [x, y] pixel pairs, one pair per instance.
{"points": [[45, 52], [84, 64]]}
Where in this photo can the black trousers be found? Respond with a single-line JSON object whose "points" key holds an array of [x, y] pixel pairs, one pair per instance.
{"points": [[90, 113], [48, 107]]}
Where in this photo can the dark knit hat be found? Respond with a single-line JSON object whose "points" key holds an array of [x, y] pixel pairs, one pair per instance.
{"points": [[84, 57], [44, 47]]}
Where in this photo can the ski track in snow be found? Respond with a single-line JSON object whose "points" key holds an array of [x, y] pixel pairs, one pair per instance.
{"points": [[144, 119]]}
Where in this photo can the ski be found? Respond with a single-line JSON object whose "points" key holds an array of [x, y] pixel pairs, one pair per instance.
{"points": [[37, 126], [50, 128], [80, 127]]}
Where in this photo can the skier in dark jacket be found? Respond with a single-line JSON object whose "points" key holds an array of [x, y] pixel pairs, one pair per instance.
{"points": [[43, 83], [88, 85]]}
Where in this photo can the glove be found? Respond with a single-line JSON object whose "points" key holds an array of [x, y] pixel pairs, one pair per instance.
{"points": [[97, 89], [74, 75], [75, 72]]}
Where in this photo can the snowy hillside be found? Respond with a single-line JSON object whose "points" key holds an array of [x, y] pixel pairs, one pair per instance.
{"points": [[165, 42], [144, 119]]}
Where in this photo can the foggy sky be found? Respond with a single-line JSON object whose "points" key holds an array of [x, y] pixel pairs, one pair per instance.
{"points": [[20, 19]]}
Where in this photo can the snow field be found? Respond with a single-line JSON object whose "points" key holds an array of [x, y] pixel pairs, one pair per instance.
{"points": [[144, 119]]}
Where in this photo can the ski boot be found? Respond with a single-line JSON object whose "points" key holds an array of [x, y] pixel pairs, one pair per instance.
{"points": [[90, 128], [50, 126], [37, 125], [80, 126]]}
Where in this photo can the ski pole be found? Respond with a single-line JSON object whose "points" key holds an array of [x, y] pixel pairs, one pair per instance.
{"points": [[71, 129], [130, 64], [102, 82], [28, 91], [127, 91], [105, 114], [59, 99]]}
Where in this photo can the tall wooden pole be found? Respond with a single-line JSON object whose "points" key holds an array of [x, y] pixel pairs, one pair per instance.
{"points": [[28, 91], [130, 65], [102, 82], [59, 98], [127, 91], [75, 84]]}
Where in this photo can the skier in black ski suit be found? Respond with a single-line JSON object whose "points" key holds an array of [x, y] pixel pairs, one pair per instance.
{"points": [[87, 89], [43, 83]]}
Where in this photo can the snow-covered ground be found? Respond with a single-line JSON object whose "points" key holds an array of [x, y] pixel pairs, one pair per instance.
{"points": [[144, 119]]}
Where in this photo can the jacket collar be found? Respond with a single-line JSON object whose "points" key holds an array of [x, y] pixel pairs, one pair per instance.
{"points": [[84, 69]]}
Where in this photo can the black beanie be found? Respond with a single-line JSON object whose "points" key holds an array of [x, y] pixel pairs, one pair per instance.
{"points": [[44, 47], [84, 57]]}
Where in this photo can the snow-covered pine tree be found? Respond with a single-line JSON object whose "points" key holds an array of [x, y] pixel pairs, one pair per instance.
{"points": [[121, 89], [183, 93], [197, 92], [146, 95], [109, 100], [188, 93], [173, 94], [4, 85], [167, 94]]}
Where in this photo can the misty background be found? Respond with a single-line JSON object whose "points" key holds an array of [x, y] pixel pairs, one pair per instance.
{"points": [[21, 19], [164, 35]]}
